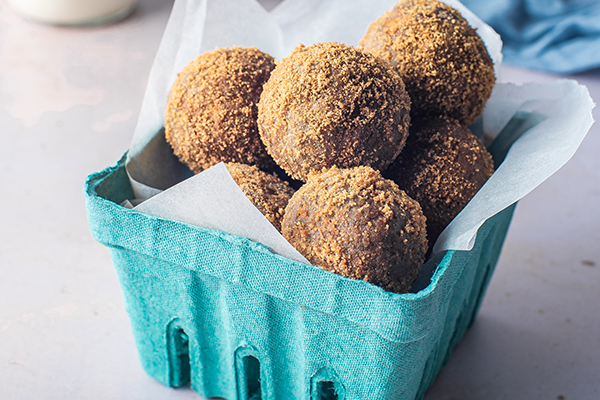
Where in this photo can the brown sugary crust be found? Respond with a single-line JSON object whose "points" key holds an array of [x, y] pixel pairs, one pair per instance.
{"points": [[332, 105], [266, 191], [359, 225], [442, 166], [211, 112], [442, 60]]}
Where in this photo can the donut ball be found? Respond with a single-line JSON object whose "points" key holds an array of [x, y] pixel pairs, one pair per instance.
{"points": [[359, 225], [211, 111], [442, 167], [266, 191], [332, 105], [442, 60]]}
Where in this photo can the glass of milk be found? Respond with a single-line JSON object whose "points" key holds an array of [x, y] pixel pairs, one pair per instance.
{"points": [[73, 12]]}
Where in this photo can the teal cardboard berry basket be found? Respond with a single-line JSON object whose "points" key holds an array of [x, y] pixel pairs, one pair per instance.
{"points": [[239, 322]]}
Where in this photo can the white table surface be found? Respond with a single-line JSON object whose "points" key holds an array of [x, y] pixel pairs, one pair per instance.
{"points": [[68, 105]]}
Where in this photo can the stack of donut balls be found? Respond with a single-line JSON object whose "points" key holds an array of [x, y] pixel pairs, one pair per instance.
{"points": [[360, 156]]}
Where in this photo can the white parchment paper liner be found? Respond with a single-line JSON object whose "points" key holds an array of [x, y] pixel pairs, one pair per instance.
{"points": [[551, 119]]}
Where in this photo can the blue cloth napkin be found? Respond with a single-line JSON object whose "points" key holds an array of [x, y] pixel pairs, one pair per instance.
{"points": [[559, 36]]}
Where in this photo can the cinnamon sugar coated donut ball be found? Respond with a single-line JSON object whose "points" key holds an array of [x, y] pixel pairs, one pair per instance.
{"points": [[332, 105], [442, 167], [211, 112], [266, 191], [359, 225], [442, 60]]}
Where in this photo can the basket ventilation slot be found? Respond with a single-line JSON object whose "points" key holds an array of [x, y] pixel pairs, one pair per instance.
{"points": [[179, 354], [326, 391], [249, 378], [326, 385]]}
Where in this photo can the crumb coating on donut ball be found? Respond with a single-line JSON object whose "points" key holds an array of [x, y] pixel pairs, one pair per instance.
{"points": [[266, 191], [333, 105], [442, 166], [444, 63], [359, 225], [211, 111]]}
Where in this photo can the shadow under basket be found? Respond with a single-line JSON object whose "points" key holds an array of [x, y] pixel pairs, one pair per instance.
{"points": [[235, 321]]}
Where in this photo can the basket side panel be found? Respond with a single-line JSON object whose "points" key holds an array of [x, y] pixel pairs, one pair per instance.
{"points": [[483, 261], [493, 248], [157, 293], [295, 344], [468, 291], [291, 342]]}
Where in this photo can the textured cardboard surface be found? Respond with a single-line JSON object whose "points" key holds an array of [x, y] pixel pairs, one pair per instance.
{"points": [[241, 306]]}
